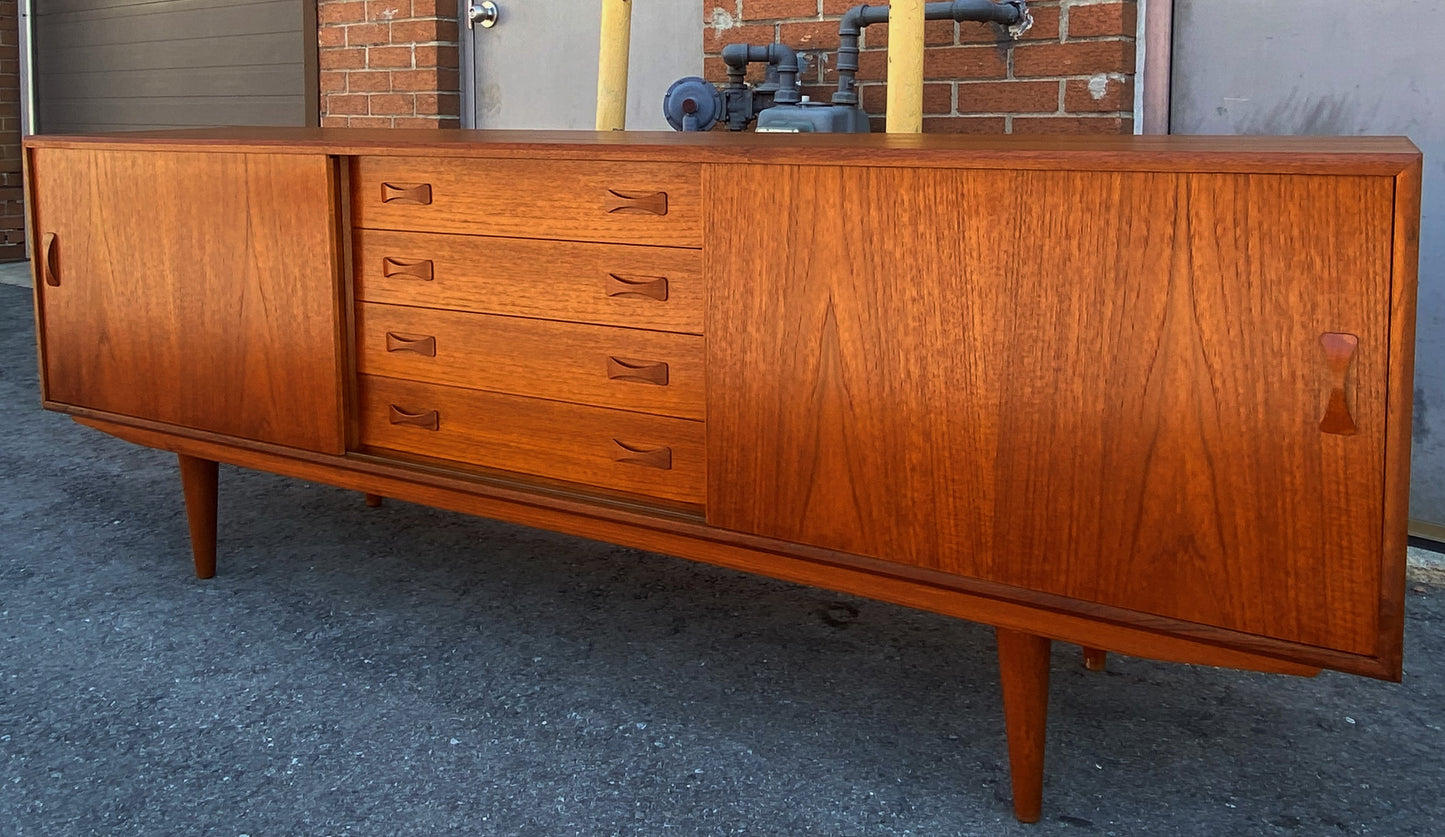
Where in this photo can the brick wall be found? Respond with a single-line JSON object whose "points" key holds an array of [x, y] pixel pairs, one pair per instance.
{"points": [[1072, 73], [388, 63], [12, 202]]}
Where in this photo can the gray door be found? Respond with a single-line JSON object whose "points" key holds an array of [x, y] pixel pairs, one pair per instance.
{"points": [[1337, 67], [133, 64], [537, 67]]}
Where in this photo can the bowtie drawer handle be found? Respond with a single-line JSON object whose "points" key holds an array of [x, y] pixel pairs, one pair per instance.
{"points": [[639, 202], [425, 345], [650, 287], [50, 264], [426, 420], [1339, 354], [408, 268], [637, 371], [659, 458], [417, 194]]}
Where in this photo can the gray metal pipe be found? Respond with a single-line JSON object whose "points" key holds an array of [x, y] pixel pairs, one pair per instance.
{"points": [[780, 56], [1005, 13]]}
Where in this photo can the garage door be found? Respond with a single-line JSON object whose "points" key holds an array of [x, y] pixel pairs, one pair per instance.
{"points": [[132, 64]]}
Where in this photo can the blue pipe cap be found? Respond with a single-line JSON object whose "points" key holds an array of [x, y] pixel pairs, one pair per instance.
{"points": [[692, 104]]}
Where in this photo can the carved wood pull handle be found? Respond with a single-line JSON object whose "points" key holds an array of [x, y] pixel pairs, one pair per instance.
{"points": [[50, 268], [640, 371], [412, 193], [660, 458], [1339, 353], [409, 268], [426, 420], [423, 345], [652, 287], [655, 203]]}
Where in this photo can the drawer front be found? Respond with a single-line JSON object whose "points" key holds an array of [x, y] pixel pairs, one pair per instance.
{"points": [[612, 449], [640, 287], [644, 371], [624, 203]]}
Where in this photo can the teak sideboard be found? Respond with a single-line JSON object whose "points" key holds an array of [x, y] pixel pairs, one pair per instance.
{"points": [[1145, 395]]}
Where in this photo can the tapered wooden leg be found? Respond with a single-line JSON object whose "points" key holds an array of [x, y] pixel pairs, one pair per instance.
{"points": [[1023, 663], [1095, 660], [198, 481], [373, 500]]}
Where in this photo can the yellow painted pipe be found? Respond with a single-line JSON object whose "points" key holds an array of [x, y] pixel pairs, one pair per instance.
{"points": [[612, 65], [905, 67]]}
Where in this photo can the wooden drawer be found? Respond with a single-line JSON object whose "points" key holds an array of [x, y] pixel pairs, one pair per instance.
{"points": [[625, 203], [629, 369], [612, 449], [640, 287]]}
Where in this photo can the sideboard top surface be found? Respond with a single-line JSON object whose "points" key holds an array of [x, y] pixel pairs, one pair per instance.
{"points": [[1300, 155]]}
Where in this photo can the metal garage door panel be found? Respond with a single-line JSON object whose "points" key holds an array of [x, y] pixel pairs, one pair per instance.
{"points": [[133, 64]]}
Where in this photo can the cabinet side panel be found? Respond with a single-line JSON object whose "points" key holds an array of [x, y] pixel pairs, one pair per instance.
{"points": [[1106, 386], [196, 289], [1403, 291]]}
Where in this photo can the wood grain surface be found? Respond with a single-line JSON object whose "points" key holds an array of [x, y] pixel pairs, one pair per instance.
{"points": [[1104, 386], [562, 361], [196, 289], [586, 445], [1295, 155], [531, 199], [1404, 285], [555, 280], [649, 524], [1023, 673]]}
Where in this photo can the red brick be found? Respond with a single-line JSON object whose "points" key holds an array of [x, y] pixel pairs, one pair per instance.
{"points": [[1045, 28], [964, 125], [964, 62], [1008, 97], [423, 31], [1103, 20], [818, 92], [817, 34], [438, 104], [341, 59], [392, 104], [388, 10], [715, 39], [369, 122], [1117, 94], [364, 81], [425, 81], [331, 36], [346, 104], [935, 33], [772, 9], [368, 34], [838, 7], [873, 66], [437, 55], [1073, 59], [714, 70], [433, 8], [1072, 125], [333, 81], [349, 12], [389, 58], [937, 98]]}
